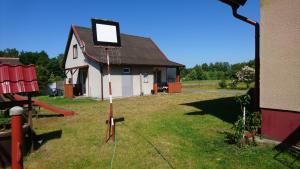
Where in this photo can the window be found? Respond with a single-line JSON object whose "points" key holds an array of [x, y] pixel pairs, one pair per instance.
{"points": [[75, 51], [145, 77], [126, 70], [171, 74]]}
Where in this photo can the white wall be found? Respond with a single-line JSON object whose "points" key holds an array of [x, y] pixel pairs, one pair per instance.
{"points": [[138, 77], [79, 61], [93, 82], [116, 79]]}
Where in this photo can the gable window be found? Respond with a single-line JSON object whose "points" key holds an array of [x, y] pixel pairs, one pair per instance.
{"points": [[126, 70], [75, 51]]}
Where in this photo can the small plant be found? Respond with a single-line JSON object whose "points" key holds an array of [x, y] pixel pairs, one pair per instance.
{"points": [[233, 84], [4, 121], [246, 125], [223, 84]]}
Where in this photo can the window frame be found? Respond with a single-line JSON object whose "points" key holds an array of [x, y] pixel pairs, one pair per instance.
{"points": [[75, 51]]}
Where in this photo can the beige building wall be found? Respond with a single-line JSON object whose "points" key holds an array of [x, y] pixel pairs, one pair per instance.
{"points": [[139, 83], [280, 54], [79, 61], [142, 76]]}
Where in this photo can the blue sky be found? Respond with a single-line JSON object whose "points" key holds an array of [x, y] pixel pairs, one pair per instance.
{"points": [[187, 31]]}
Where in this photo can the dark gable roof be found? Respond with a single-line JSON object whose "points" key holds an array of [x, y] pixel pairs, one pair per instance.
{"points": [[135, 50]]}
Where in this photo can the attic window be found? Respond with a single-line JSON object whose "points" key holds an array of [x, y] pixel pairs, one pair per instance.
{"points": [[75, 51], [126, 70]]}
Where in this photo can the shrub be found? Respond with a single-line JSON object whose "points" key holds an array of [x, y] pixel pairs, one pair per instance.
{"points": [[223, 84], [252, 123]]}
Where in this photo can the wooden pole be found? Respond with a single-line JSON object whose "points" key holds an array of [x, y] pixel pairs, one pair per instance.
{"points": [[111, 127], [17, 137]]}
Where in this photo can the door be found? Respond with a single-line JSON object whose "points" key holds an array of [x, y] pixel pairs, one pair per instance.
{"points": [[127, 84], [82, 80], [158, 77]]}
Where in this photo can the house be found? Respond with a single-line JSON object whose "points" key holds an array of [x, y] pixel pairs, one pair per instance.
{"points": [[280, 70], [139, 67]]}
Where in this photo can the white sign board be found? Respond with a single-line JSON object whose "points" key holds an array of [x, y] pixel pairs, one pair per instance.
{"points": [[106, 33]]}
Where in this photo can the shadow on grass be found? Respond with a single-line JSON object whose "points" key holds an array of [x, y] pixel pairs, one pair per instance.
{"points": [[152, 145], [225, 109], [288, 152], [41, 139], [48, 115]]}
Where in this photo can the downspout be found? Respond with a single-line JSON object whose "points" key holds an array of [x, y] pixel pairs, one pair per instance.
{"points": [[257, 56]]}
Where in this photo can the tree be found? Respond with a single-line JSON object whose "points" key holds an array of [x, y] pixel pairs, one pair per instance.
{"points": [[12, 53], [246, 75]]}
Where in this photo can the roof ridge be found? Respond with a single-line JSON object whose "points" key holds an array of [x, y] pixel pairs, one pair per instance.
{"points": [[83, 27]]}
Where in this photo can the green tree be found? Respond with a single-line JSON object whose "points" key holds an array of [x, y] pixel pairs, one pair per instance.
{"points": [[12, 53]]}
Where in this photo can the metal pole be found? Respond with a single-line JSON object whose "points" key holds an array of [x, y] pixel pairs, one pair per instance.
{"points": [[257, 57], [17, 137], [111, 126]]}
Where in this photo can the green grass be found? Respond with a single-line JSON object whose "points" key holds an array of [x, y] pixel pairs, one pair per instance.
{"points": [[166, 131], [211, 84]]}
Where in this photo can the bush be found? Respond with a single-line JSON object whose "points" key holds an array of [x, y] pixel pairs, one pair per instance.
{"points": [[223, 84], [252, 123]]}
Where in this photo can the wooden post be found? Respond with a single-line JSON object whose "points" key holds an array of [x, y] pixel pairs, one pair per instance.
{"points": [[30, 110], [17, 137], [111, 127], [177, 74]]}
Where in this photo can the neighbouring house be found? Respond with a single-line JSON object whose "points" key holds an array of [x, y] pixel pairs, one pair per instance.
{"points": [[139, 67], [55, 88], [280, 70], [10, 61]]}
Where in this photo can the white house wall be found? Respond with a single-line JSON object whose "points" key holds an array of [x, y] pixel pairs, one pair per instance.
{"points": [[138, 77], [116, 79], [79, 61], [93, 82], [94, 76]]}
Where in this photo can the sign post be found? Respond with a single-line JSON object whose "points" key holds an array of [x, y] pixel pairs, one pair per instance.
{"points": [[106, 34]]}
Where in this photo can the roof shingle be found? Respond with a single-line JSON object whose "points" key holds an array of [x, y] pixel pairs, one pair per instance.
{"points": [[135, 50], [18, 79]]}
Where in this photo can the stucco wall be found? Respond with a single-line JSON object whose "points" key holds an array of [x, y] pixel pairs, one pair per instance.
{"points": [[138, 79], [116, 78], [280, 54], [94, 79], [79, 61]]}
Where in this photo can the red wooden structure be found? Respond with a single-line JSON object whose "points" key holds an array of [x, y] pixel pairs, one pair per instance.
{"points": [[18, 79]]}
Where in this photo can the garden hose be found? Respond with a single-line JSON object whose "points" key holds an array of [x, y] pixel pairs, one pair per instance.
{"points": [[114, 152]]}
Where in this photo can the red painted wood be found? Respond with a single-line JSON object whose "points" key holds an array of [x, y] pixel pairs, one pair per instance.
{"points": [[47, 106], [68, 88], [17, 79], [17, 142], [174, 87], [155, 88], [281, 125]]}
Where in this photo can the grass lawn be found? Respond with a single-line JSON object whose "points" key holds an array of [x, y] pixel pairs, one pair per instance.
{"points": [[211, 84], [167, 131]]}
